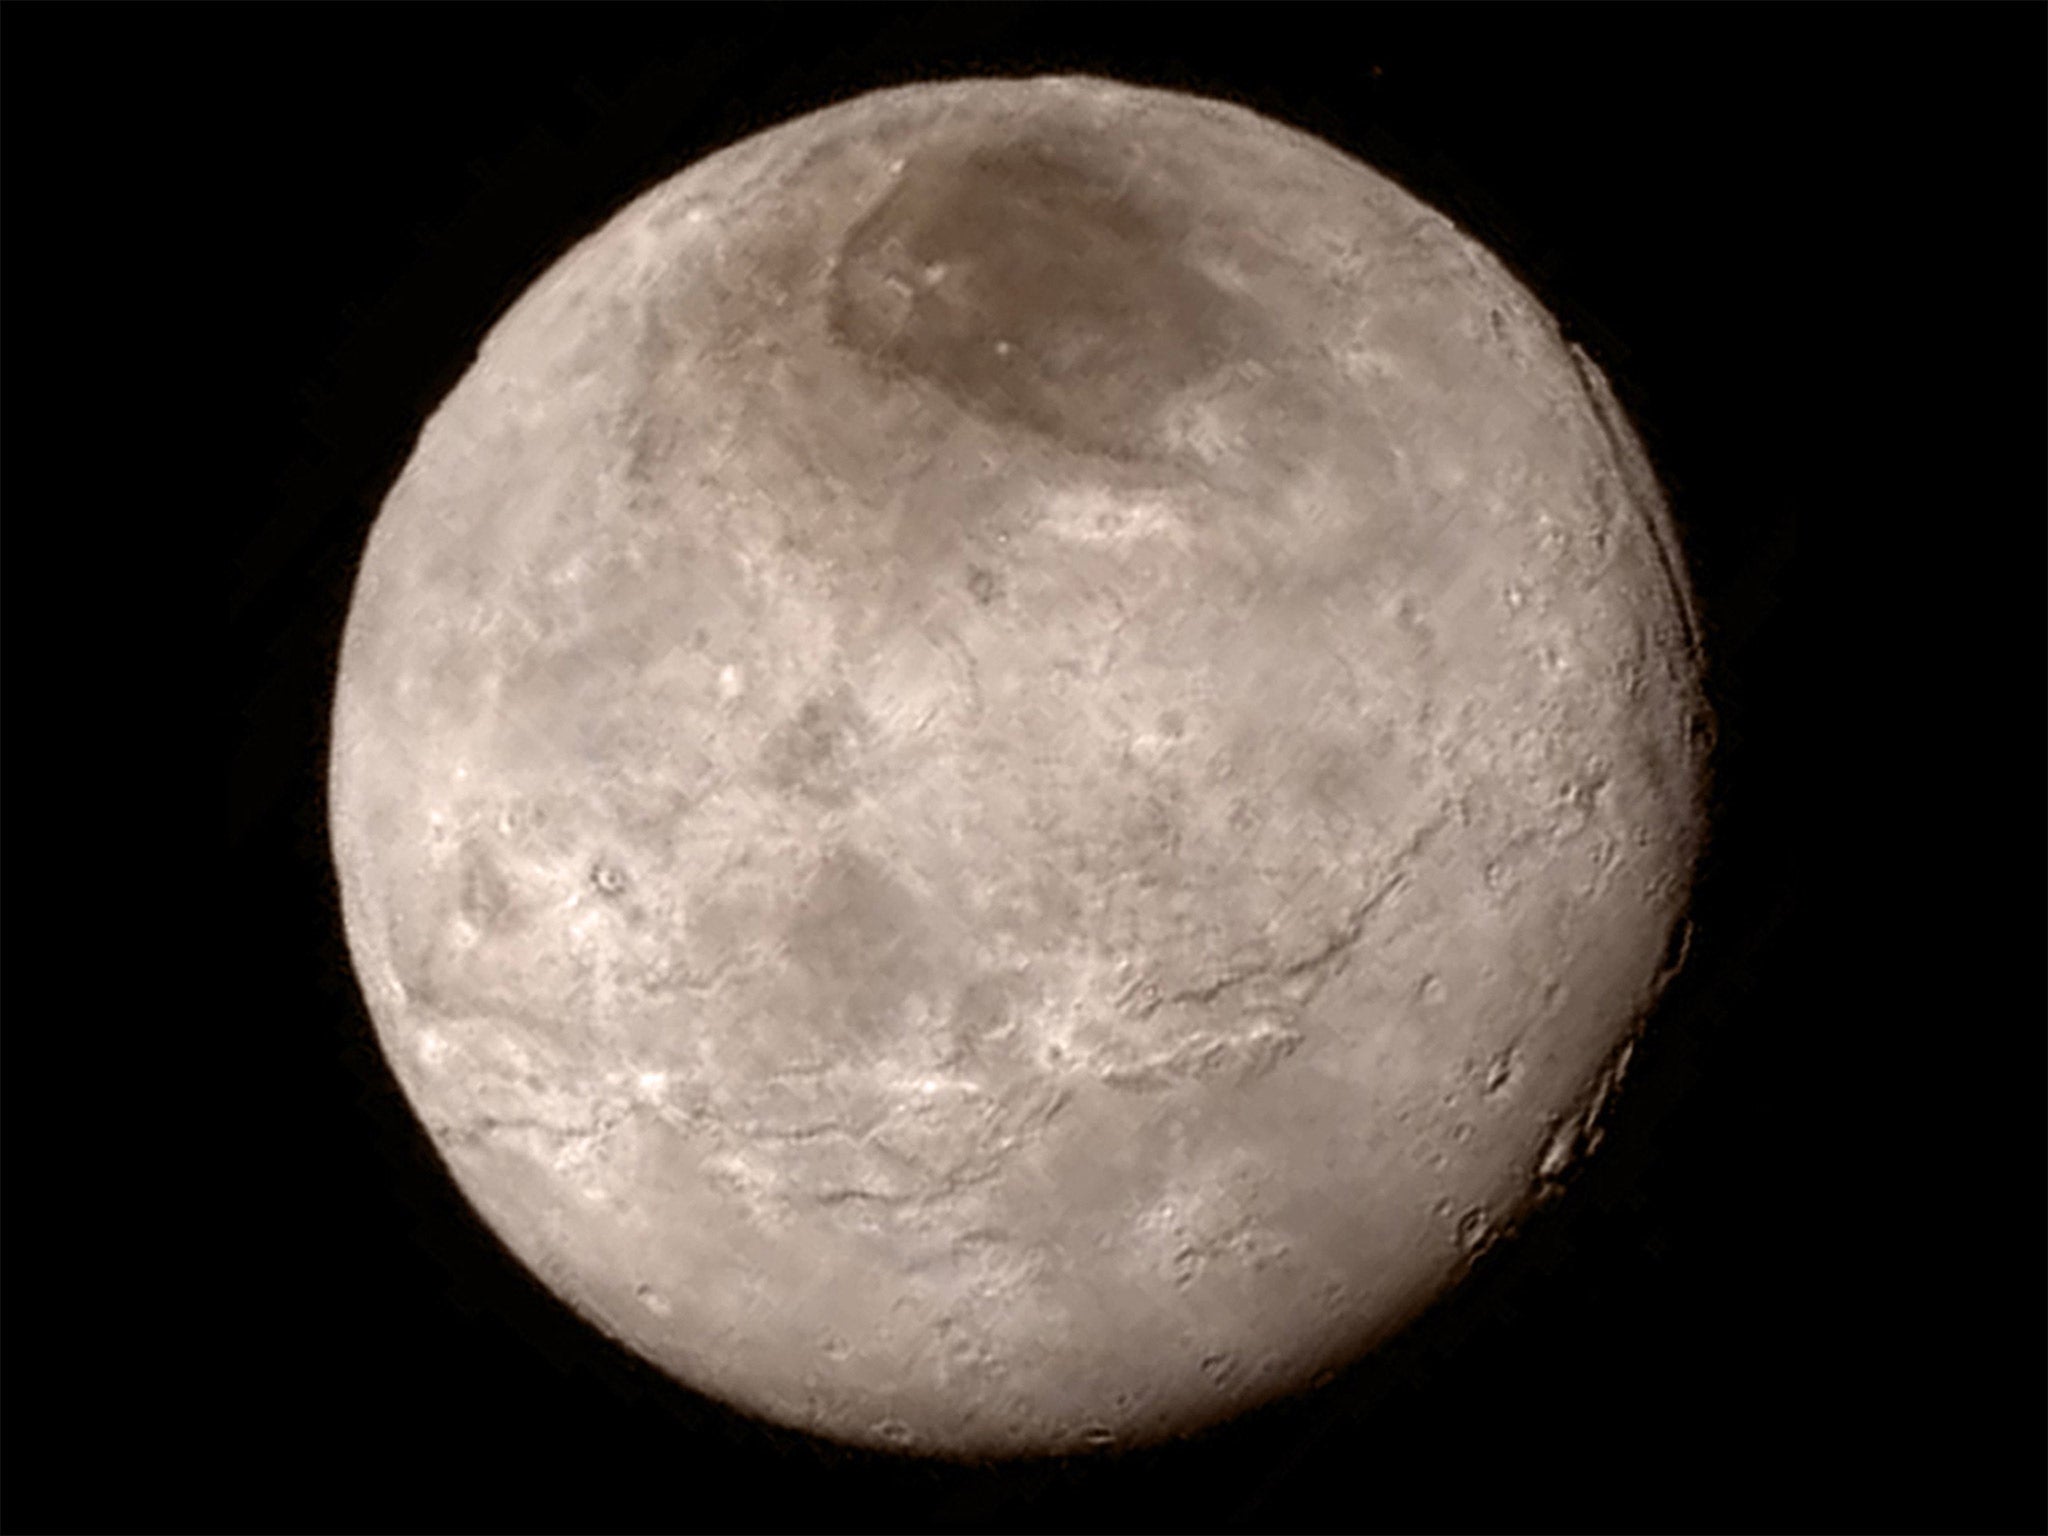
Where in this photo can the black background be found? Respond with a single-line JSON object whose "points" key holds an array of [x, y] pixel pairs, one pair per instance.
{"points": [[1802, 1286]]}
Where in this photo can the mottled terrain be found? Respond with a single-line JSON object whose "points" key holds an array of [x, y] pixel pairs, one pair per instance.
{"points": [[1019, 757]]}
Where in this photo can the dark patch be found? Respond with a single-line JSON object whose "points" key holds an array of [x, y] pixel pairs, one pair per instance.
{"points": [[981, 584], [984, 1016], [444, 970], [485, 896], [1038, 287], [856, 947], [815, 753], [650, 431]]}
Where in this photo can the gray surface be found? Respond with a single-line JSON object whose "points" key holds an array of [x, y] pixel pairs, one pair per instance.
{"points": [[1017, 760]]}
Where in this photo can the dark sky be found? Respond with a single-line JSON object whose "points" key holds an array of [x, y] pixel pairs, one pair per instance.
{"points": [[1802, 1287]]}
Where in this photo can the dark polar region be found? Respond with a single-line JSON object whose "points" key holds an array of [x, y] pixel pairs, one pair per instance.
{"points": [[1041, 284], [1019, 760]]}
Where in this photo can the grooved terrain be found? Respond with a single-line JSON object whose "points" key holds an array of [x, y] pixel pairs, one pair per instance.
{"points": [[1019, 758]]}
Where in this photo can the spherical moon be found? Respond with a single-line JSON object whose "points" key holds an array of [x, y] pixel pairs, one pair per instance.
{"points": [[1018, 759]]}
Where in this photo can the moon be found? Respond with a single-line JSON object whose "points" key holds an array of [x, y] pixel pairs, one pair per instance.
{"points": [[1020, 759]]}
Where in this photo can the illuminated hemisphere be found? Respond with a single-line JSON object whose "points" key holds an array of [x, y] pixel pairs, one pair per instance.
{"points": [[1018, 759]]}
